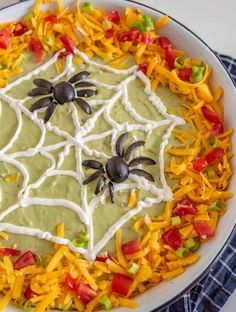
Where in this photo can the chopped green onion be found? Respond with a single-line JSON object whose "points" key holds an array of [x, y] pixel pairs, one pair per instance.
{"points": [[182, 252], [133, 268], [170, 111], [87, 7], [189, 243], [180, 62], [3, 65], [175, 220], [217, 205], [82, 241], [27, 307], [145, 24], [197, 73], [106, 302], [196, 246], [29, 16], [211, 172], [213, 141]]}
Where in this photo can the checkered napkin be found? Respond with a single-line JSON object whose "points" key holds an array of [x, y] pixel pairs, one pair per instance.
{"points": [[212, 292]]}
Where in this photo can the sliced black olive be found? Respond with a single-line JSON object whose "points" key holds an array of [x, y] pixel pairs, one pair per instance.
{"points": [[111, 192], [43, 83], [39, 91], [86, 93], [142, 173], [119, 144], [94, 164], [49, 111], [80, 76], [131, 148], [84, 106], [41, 103], [94, 176], [100, 185], [141, 160], [84, 84]]}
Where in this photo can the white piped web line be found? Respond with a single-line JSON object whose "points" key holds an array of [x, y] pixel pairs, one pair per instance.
{"points": [[79, 143]]}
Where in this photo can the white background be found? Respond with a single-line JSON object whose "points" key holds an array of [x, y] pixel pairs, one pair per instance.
{"points": [[214, 21]]}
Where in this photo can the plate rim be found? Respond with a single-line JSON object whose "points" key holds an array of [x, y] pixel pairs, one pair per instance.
{"points": [[233, 231]]}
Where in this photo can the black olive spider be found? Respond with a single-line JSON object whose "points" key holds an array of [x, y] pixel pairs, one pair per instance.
{"points": [[117, 169], [61, 93]]}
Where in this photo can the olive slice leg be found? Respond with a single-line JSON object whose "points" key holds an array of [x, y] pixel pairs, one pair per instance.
{"points": [[111, 191], [101, 184], [119, 144], [39, 82], [39, 91], [94, 176], [80, 76], [84, 84], [141, 160], [142, 173], [131, 148], [43, 102], [84, 106], [49, 111], [94, 164]]}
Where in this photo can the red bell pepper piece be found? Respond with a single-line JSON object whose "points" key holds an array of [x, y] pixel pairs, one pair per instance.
{"points": [[103, 257], [85, 293], [121, 284], [200, 164], [184, 74], [130, 35], [143, 67], [70, 282], [170, 57], [20, 29], [5, 36], [66, 40], [172, 237], [213, 156], [114, 17], [146, 38], [217, 129], [211, 115], [109, 33], [164, 42], [63, 54], [29, 293], [25, 260], [51, 19], [185, 206], [10, 252], [203, 229], [35, 46], [131, 247]]}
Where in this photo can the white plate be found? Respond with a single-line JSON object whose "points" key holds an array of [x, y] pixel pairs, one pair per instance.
{"points": [[195, 47]]}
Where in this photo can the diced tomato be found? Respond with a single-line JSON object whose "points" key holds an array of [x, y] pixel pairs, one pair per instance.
{"points": [[185, 206], [164, 42], [146, 38], [184, 74], [131, 247], [51, 19], [103, 257], [143, 67], [29, 293], [64, 54], [20, 29], [70, 282], [114, 17], [130, 35], [121, 284], [200, 164], [215, 155], [66, 40], [25, 260], [172, 237], [35, 46], [109, 33], [170, 57], [5, 36], [211, 115], [217, 129], [9, 252], [203, 229], [85, 293]]}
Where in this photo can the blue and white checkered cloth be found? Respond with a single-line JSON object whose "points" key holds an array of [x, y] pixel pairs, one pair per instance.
{"points": [[212, 292]]}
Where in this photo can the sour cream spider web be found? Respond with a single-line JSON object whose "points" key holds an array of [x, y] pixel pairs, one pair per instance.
{"points": [[78, 141]]}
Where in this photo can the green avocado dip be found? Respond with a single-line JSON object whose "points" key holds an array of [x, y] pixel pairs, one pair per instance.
{"points": [[67, 187]]}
